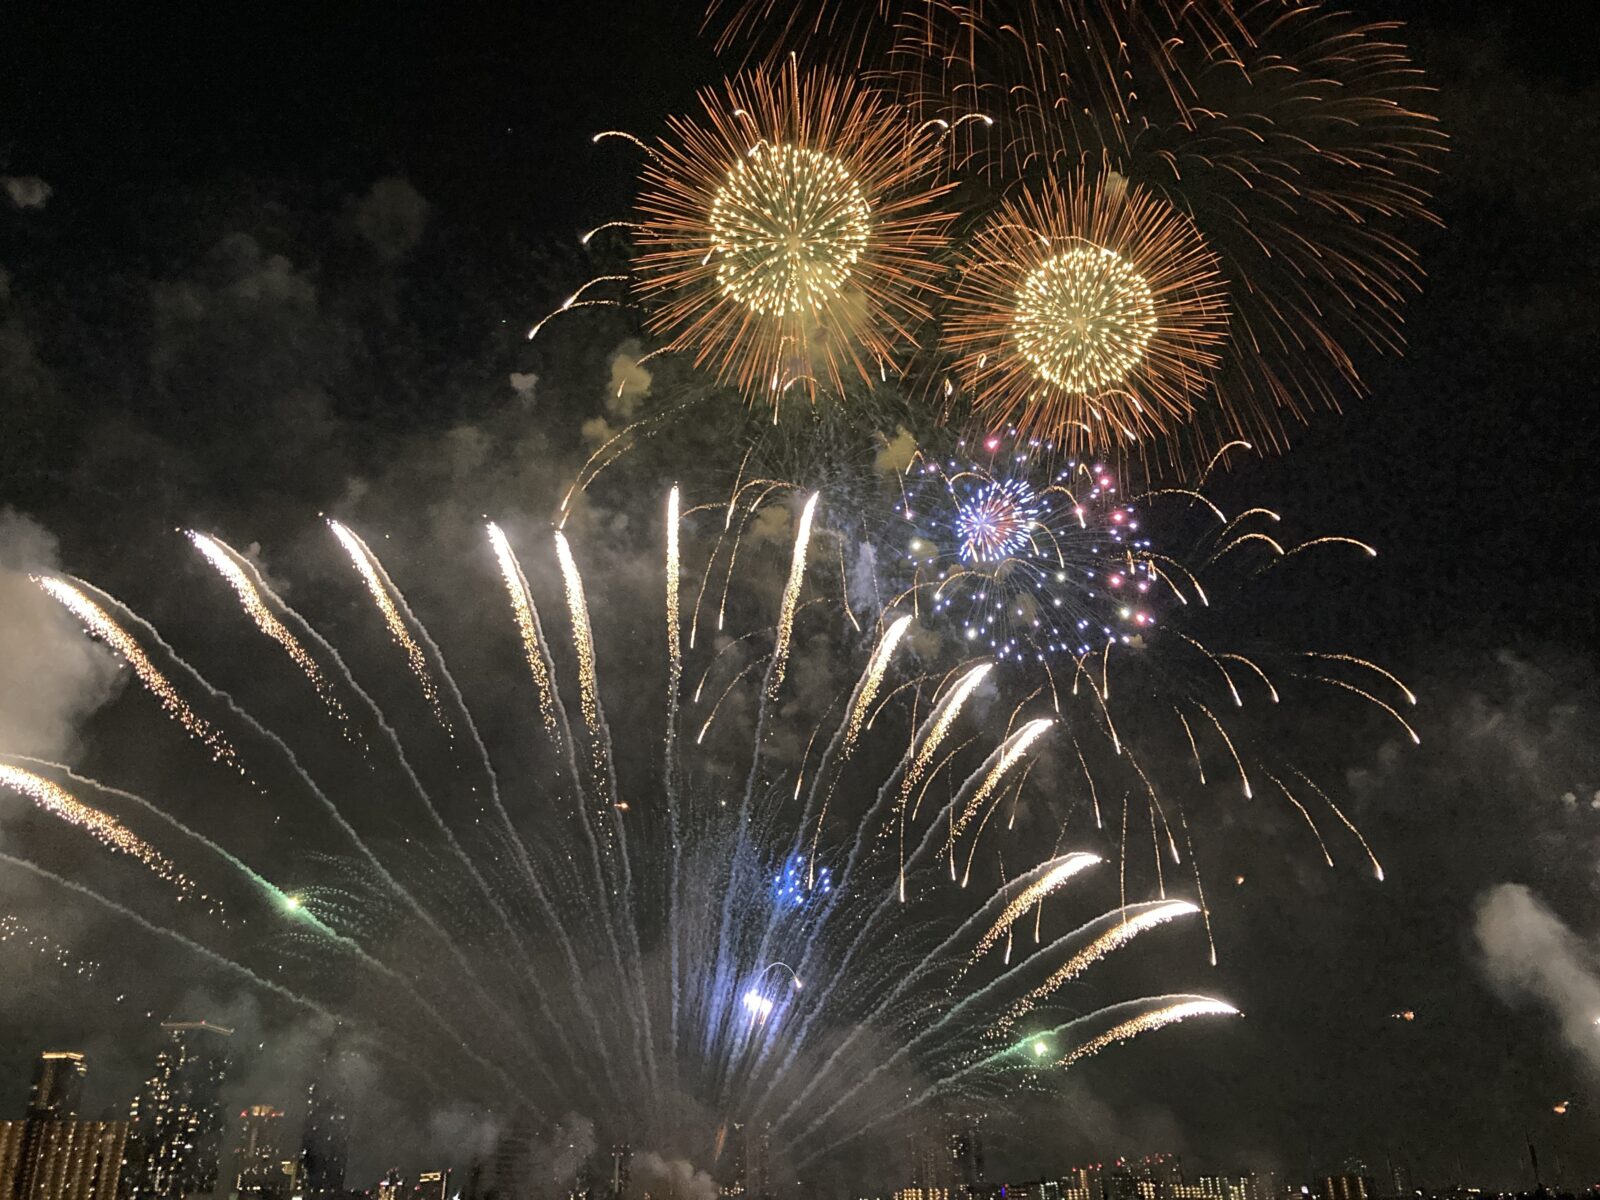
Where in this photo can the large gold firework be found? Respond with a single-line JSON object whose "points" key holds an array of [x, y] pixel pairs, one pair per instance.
{"points": [[1294, 136], [1088, 314], [789, 238]]}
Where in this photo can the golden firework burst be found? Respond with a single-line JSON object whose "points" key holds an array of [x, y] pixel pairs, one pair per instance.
{"points": [[789, 238], [1089, 314]]}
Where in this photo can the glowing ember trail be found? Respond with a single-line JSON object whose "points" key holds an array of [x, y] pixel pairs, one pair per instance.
{"points": [[1139, 919], [527, 618], [1172, 1014], [226, 560], [96, 620], [372, 574], [872, 680], [1064, 870], [101, 826], [583, 643], [1010, 754], [791, 597]]}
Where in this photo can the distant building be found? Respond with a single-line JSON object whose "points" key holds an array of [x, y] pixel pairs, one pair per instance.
{"points": [[392, 1185], [62, 1160], [966, 1158], [57, 1085], [325, 1144], [432, 1185], [259, 1163], [176, 1136], [1346, 1187]]}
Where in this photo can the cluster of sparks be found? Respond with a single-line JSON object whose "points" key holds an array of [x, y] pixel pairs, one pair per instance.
{"points": [[789, 225], [1258, 172], [769, 980], [1030, 569], [14, 930]]}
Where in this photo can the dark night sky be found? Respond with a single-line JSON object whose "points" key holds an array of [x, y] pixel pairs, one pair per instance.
{"points": [[193, 151]]}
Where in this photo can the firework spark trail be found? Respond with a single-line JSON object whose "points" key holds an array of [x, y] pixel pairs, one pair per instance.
{"points": [[1127, 924], [1305, 815], [100, 624], [331, 654], [1065, 869], [1410, 696], [527, 617], [1377, 867], [791, 597], [378, 584], [1366, 695], [289, 994], [999, 763], [669, 768], [605, 783], [1178, 1009], [941, 721], [1171, 1010], [290, 759], [229, 564], [872, 681], [946, 1020], [102, 826], [12, 928]]}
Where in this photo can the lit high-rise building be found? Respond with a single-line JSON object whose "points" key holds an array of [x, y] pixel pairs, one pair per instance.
{"points": [[176, 1136], [1346, 1187], [57, 1085], [325, 1145], [432, 1185], [61, 1160], [258, 1169], [392, 1185]]}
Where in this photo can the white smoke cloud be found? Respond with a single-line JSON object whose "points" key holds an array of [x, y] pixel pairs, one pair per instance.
{"points": [[26, 191], [670, 1179], [51, 676], [392, 217], [1529, 951]]}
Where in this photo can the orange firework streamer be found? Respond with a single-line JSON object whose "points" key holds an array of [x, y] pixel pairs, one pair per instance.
{"points": [[1148, 1022], [790, 236], [1089, 313]]}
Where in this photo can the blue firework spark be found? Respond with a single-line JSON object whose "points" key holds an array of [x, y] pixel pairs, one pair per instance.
{"points": [[1032, 559]]}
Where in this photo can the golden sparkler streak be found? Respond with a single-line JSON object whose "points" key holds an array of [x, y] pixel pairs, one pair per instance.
{"points": [[99, 623], [791, 596], [522, 608], [101, 826], [373, 575], [588, 680], [226, 561], [872, 680], [1139, 920], [1148, 1022], [1010, 753], [1070, 865]]}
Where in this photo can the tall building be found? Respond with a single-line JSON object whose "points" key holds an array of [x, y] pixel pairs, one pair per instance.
{"points": [[1346, 1187], [258, 1169], [966, 1158], [325, 1144], [176, 1136], [432, 1185], [57, 1085], [392, 1185], [61, 1159]]}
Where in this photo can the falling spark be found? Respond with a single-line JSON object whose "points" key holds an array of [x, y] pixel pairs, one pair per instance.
{"points": [[101, 826], [872, 679], [583, 642], [372, 574], [96, 620], [1011, 752], [1149, 1022], [791, 597], [1137, 920], [1068, 866], [527, 617], [227, 563]]}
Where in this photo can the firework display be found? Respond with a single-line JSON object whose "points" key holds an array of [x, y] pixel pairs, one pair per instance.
{"points": [[1090, 315], [788, 238], [1032, 560], [1290, 142], [799, 954]]}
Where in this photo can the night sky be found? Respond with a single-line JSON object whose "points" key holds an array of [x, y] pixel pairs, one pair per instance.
{"points": [[284, 265]]}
